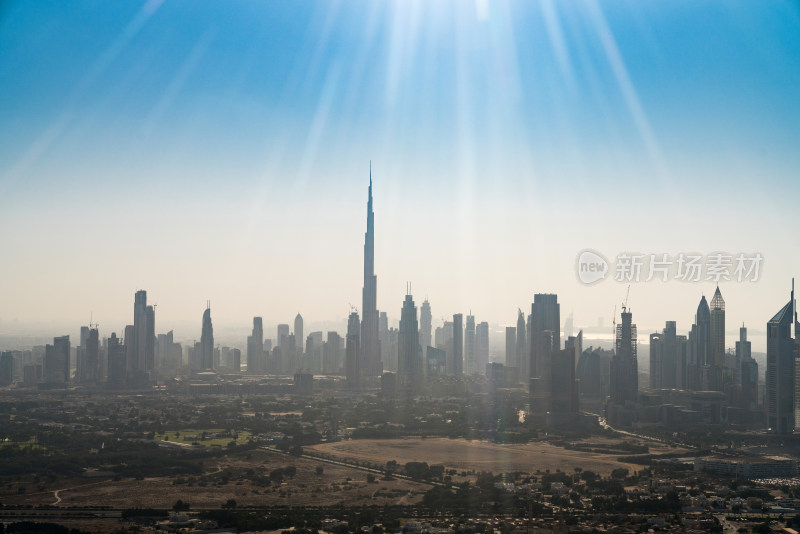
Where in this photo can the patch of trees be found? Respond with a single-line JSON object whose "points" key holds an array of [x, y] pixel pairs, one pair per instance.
{"points": [[418, 470], [31, 527]]}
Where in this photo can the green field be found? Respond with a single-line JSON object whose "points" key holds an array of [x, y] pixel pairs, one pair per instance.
{"points": [[191, 435]]}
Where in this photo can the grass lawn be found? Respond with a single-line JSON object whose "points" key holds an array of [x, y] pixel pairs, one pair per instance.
{"points": [[192, 435]]}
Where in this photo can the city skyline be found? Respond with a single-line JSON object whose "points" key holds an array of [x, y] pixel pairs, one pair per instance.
{"points": [[505, 139]]}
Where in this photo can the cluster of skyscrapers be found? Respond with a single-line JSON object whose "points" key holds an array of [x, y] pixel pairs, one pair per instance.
{"points": [[689, 374]]}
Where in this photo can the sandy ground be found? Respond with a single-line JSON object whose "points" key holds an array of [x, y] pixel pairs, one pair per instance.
{"points": [[464, 455]]}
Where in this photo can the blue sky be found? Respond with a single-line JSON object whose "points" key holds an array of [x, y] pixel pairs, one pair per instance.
{"points": [[221, 149]]}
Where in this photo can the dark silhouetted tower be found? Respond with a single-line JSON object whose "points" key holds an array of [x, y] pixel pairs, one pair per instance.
{"points": [[624, 369], [256, 359], [353, 350], [780, 375], [458, 344], [482, 345], [700, 349], [545, 338], [409, 360], [206, 359], [469, 346], [425, 331], [298, 332], [717, 335]]}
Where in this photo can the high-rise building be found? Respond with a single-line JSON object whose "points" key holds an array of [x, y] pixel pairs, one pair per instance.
{"points": [[256, 359], [117, 365], [283, 335], [436, 362], [332, 354], [458, 344], [236, 360], [469, 346], [313, 353], [624, 369], [6, 368], [56, 361], [700, 348], [425, 331], [564, 388], [743, 346], [383, 336], [206, 360], [298, 333], [142, 358], [91, 369], [482, 345], [780, 376], [370, 343], [353, 350], [717, 336], [409, 360], [545, 338], [748, 373], [522, 358], [80, 351], [511, 350], [664, 358]]}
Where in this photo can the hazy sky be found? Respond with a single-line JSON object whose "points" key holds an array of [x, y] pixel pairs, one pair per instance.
{"points": [[220, 150]]}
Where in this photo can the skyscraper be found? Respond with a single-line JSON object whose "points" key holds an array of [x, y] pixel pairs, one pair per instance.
{"points": [[117, 366], [664, 358], [298, 332], [511, 351], [523, 357], [458, 344], [624, 369], [142, 357], [700, 348], [56, 361], [332, 354], [748, 373], [256, 359], [353, 350], [469, 346], [91, 371], [482, 345], [206, 359], [425, 331], [370, 342], [409, 360], [780, 375], [545, 338], [717, 336]]}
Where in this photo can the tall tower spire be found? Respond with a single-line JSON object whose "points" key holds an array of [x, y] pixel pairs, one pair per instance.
{"points": [[370, 360]]}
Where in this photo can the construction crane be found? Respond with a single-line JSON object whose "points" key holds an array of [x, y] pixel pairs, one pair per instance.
{"points": [[625, 302], [614, 323]]}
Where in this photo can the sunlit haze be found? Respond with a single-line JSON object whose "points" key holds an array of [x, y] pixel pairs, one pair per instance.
{"points": [[221, 152]]}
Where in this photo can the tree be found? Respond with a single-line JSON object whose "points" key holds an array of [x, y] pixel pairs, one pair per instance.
{"points": [[621, 472], [230, 503], [319, 470], [180, 506]]}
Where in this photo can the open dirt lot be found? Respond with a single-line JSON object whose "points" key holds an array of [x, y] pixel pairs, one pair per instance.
{"points": [[227, 478], [464, 455]]}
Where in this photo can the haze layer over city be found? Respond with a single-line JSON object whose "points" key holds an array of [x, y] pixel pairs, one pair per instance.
{"points": [[444, 267], [223, 155]]}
